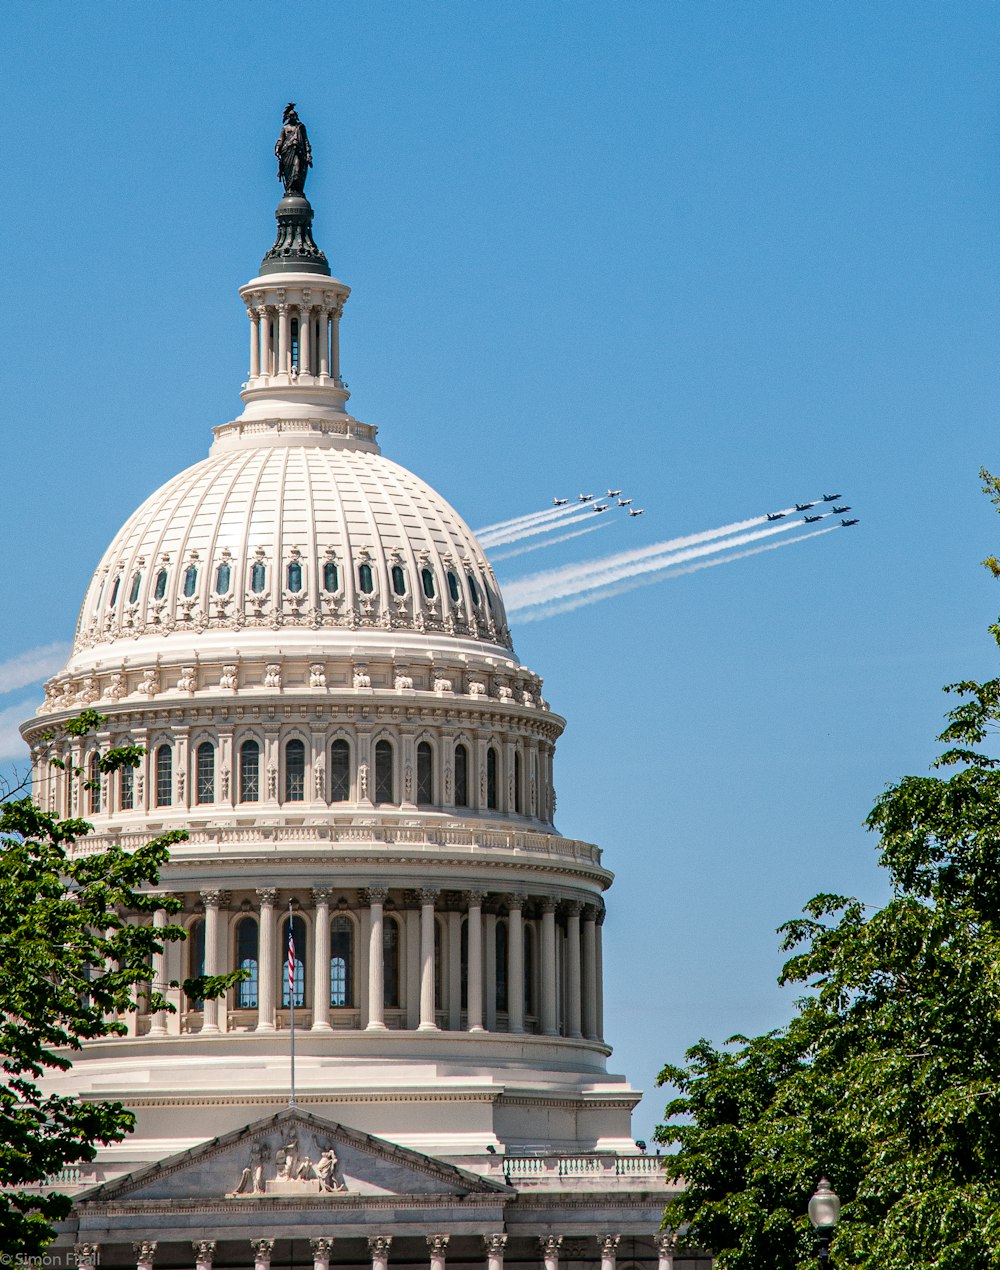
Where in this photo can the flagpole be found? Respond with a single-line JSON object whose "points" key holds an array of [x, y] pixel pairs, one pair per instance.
{"points": [[291, 997]]}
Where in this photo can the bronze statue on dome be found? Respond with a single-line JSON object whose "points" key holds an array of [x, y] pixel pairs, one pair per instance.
{"points": [[293, 152]]}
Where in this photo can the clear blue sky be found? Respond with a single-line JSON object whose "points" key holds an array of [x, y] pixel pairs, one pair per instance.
{"points": [[722, 255]]}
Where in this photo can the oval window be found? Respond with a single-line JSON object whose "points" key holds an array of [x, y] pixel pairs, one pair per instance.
{"points": [[331, 576], [365, 579], [473, 589], [223, 576], [258, 578], [398, 579], [453, 588], [295, 576], [190, 579], [160, 589], [427, 581], [133, 594]]}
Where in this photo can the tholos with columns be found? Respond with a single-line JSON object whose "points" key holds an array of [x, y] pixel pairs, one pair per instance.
{"points": [[475, 977]]}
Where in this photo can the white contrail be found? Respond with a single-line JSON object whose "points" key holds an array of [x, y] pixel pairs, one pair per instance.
{"points": [[530, 518], [584, 512], [552, 584], [549, 542], [542, 610], [30, 667]]}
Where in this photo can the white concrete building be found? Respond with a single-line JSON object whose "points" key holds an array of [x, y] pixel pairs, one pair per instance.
{"points": [[312, 647]]}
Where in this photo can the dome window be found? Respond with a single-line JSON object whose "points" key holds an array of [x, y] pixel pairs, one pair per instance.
{"points": [[133, 594], [384, 790], [114, 592], [331, 576], [340, 771], [249, 772], [390, 963], [258, 577], [501, 966], [205, 767], [425, 774], [295, 772], [366, 579], [492, 784], [461, 776], [160, 586], [247, 938], [518, 783], [342, 961], [223, 577], [164, 776], [398, 579], [473, 589], [427, 581], [295, 577], [196, 956], [127, 799], [94, 783], [190, 579], [453, 588]]}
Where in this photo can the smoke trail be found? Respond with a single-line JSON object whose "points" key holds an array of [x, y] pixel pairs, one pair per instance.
{"points": [[549, 542], [530, 518], [584, 512], [540, 611], [552, 584]]}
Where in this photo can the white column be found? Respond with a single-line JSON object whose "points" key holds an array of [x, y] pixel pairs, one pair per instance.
{"points": [[321, 960], [599, 976], [262, 1249], [411, 963], [428, 1020], [377, 895], [515, 963], [438, 1247], [145, 1254], [324, 343], [549, 1246], [548, 985], [305, 339], [158, 1021], [266, 353], [335, 339], [666, 1246], [210, 1009], [495, 1245], [454, 971], [265, 960], [490, 969], [475, 975], [204, 1253], [284, 344], [589, 988], [254, 343], [322, 1249], [608, 1245], [378, 1246], [573, 909]]}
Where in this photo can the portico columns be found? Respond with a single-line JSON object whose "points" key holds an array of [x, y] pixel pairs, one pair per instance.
{"points": [[550, 1245], [428, 1020], [590, 973], [378, 1246], [377, 896], [515, 963], [438, 1245], [573, 910], [262, 1249], [210, 1009], [666, 1246], [265, 960], [265, 340], [254, 343], [475, 945], [322, 1249], [608, 1245], [321, 960], [144, 1254], [324, 343], [158, 1021], [495, 1245], [549, 1021]]}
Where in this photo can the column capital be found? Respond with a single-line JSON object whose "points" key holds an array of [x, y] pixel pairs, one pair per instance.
{"points": [[87, 1255], [144, 1252], [608, 1244], [515, 900], [379, 1245], [574, 907], [590, 912], [428, 895], [438, 1244], [321, 894], [262, 1247], [215, 899], [550, 1244], [322, 1245], [667, 1241], [267, 895], [474, 898], [549, 905], [495, 1244], [204, 1251], [375, 895]]}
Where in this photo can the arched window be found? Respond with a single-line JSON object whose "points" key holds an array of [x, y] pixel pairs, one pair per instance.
{"points": [[454, 590], [366, 579], [398, 579], [258, 577], [492, 793], [518, 797], [133, 594], [530, 1004], [247, 936], [205, 763], [384, 792], [295, 350], [114, 591], [94, 781], [473, 589], [196, 956], [461, 776], [164, 776], [390, 962], [249, 772], [295, 772], [342, 961], [427, 582], [425, 774], [501, 965], [190, 579], [127, 788], [223, 577], [299, 974], [160, 586], [295, 576], [340, 772], [331, 576]]}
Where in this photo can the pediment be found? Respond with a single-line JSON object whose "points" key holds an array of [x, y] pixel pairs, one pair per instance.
{"points": [[293, 1155]]}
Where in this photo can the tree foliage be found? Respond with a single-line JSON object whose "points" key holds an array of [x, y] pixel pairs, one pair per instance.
{"points": [[887, 1078], [76, 948]]}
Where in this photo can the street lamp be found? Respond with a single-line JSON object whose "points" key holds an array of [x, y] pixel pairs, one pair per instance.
{"points": [[824, 1213]]}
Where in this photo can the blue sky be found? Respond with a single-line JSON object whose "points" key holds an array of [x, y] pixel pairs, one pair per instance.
{"points": [[725, 256]]}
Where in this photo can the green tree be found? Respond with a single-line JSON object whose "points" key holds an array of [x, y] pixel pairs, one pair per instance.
{"points": [[76, 946], [887, 1078]]}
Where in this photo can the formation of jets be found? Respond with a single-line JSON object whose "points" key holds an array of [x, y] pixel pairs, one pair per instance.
{"points": [[811, 520], [597, 508]]}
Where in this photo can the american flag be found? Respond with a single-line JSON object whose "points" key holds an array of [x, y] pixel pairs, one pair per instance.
{"points": [[291, 962]]}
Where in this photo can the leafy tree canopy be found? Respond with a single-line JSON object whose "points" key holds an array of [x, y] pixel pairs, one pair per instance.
{"points": [[887, 1078], [76, 947]]}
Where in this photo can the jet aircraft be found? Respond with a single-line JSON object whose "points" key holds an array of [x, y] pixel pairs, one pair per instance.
{"points": [[585, 498], [776, 515], [559, 502], [614, 493], [831, 498], [600, 507], [845, 523], [810, 520], [636, 511], [840, 510], [803, 507], [624, 502]]}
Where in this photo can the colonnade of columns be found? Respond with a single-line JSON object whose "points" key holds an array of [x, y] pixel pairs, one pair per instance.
{"points": [[549, 1250], [318, 344]]}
